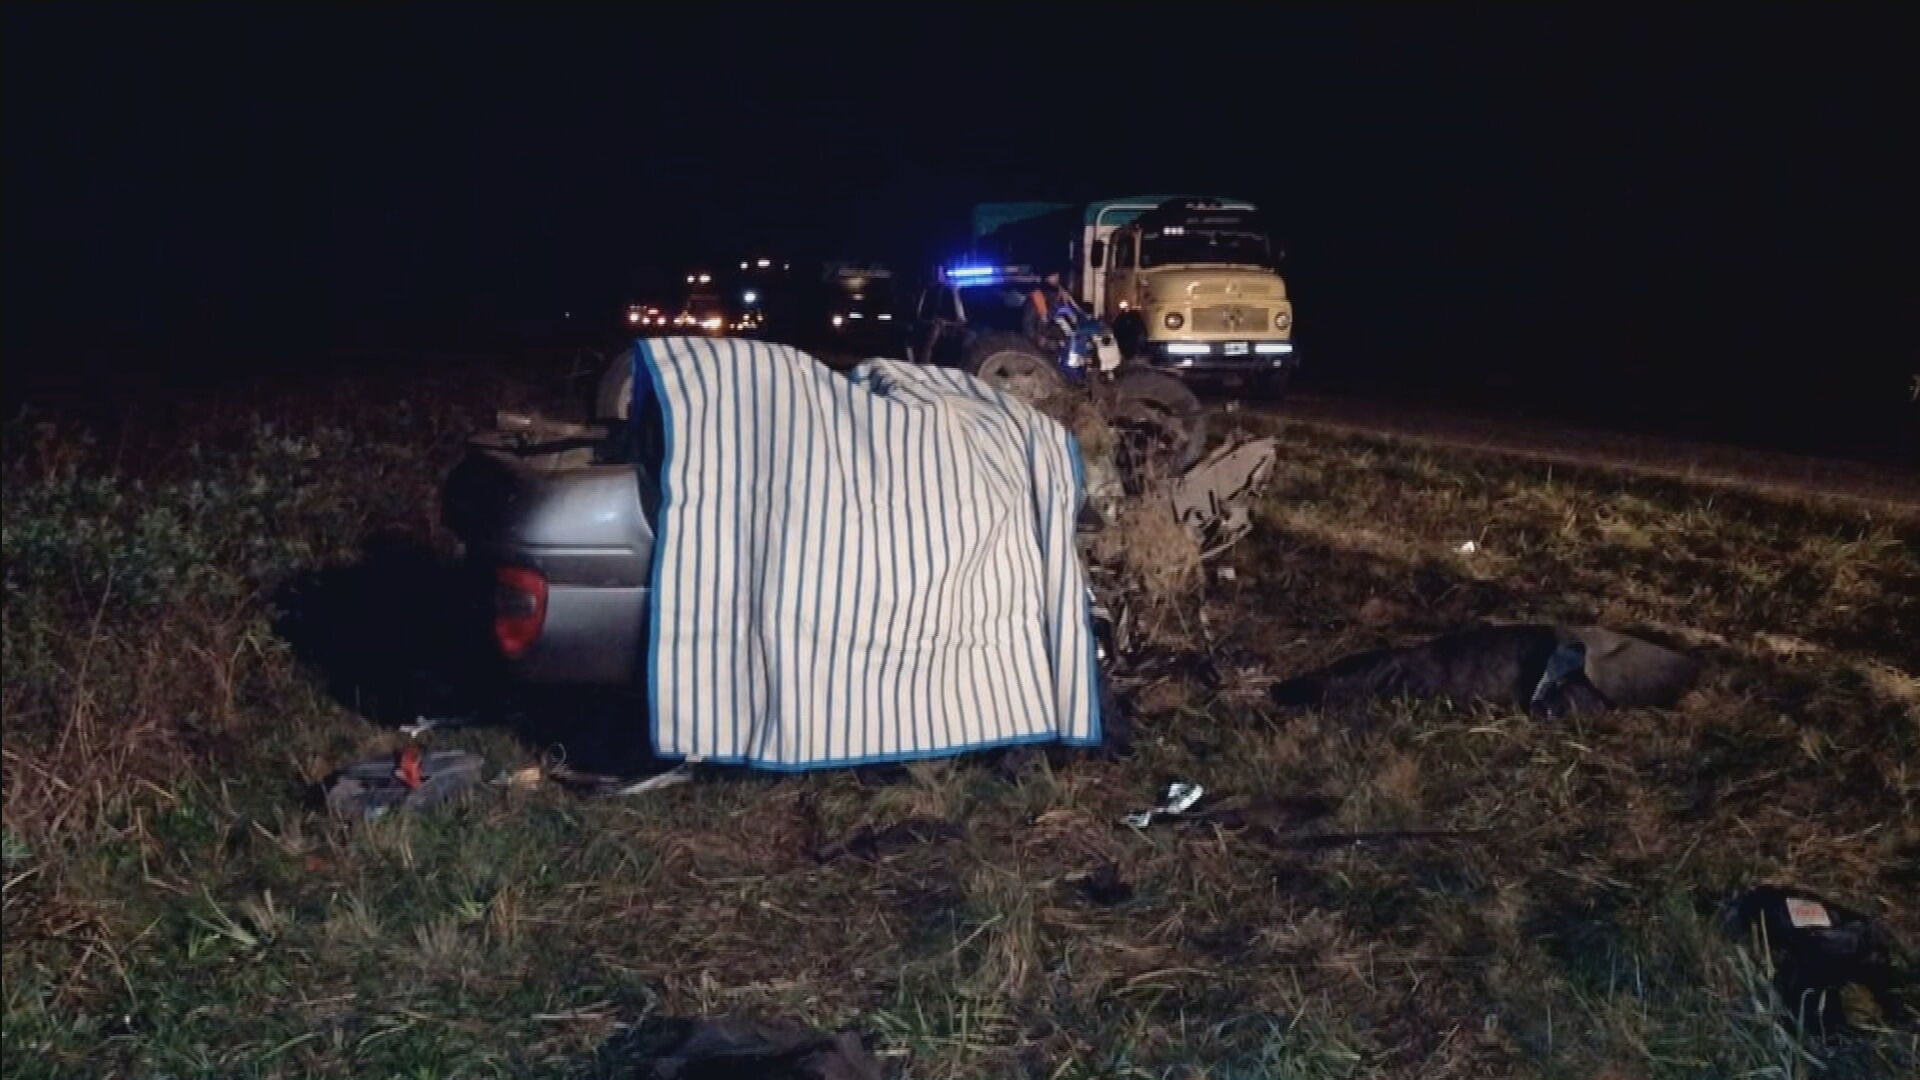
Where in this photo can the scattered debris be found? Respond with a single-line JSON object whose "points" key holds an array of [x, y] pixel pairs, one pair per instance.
{"points": [[673, 777], [1214, 499], [601, 785], [678, 1048], [412, 779], [525, 779], [425, 724], [867, 842], [1468, 548], [1831, 965], [1227, 573], [1546, 670], [1180, 798]]}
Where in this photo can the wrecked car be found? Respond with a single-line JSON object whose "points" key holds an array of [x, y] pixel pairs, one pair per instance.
{"points": [[556, 521], [798, 569], [568, 526]]}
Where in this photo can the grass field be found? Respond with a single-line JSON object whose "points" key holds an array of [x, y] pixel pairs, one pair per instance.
{"points": [[175, 906]]}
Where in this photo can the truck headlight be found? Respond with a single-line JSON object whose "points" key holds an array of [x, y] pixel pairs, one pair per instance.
{"points": [[1175, 320], [1282, 320]]}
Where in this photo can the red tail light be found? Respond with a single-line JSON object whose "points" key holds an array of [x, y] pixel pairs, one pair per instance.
{"points": [[519, 609]]}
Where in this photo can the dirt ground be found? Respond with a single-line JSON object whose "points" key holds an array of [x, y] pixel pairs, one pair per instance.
{"points": [[176, 904]]}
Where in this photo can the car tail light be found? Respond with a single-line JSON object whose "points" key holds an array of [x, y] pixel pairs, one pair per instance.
{"points": [[519, 609]]}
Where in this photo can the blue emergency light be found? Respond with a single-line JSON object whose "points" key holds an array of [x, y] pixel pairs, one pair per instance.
{"points": [[973, 271]]}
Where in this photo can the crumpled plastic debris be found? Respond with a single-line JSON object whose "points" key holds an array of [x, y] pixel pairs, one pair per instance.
{"points": [[1567, 663], [1832, 966], [1468, 548], [1180, 798], [412, 779]]}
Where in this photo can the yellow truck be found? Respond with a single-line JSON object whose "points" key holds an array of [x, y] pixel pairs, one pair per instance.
{"points": [[1187, 282]]}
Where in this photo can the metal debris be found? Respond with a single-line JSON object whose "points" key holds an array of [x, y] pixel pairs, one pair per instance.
{"points": [[1180, 798]]}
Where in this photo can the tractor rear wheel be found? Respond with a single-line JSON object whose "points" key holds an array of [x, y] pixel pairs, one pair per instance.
{"points": [[1012, 363], [1163, 425]]}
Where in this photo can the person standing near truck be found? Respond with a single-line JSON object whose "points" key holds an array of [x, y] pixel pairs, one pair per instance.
{"points": [[1043, 301]]}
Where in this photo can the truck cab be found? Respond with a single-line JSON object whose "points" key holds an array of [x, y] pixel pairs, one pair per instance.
{"points": [[1189, 285]]}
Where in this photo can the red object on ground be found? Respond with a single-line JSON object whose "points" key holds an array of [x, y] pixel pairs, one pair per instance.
{"points": [[408, 768]]}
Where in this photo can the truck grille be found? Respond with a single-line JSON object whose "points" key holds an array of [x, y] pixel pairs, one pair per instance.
{"points": [[1230, 319]]}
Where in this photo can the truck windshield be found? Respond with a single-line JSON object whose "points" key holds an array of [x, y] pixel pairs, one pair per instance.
{"points": [[1175, 246], [998, 307]]}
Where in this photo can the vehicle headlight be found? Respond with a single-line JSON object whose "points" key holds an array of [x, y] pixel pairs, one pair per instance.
{"points": [[837, 320], [1175, 320], [1282, 320]]}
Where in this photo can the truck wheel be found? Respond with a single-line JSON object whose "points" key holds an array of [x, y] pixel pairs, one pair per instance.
{"points": [[1163, 424], [1015, 365]]}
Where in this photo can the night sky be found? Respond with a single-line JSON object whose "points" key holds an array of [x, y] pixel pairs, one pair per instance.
{"points": [[1510, 201]]}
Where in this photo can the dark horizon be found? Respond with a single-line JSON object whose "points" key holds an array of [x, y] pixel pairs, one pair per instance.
{"points": [[1695, 216]]}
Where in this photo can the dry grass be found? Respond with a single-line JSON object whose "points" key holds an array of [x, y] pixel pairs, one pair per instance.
{"points": [[171, 906], [1147, 546]]}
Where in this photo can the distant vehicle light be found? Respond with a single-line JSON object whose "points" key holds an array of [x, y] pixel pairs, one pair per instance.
{"points": [[1125, 306], [689, 279], [706, 279], [710, 323], [749, 297], [1187, 348], [633, 316], [856, 314], [837, 320], [743, 264], [1175, 320], [764, 263], [884, 318]]}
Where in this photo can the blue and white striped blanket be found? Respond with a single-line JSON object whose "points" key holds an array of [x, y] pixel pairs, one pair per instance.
{"points": [[864, 569]]}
